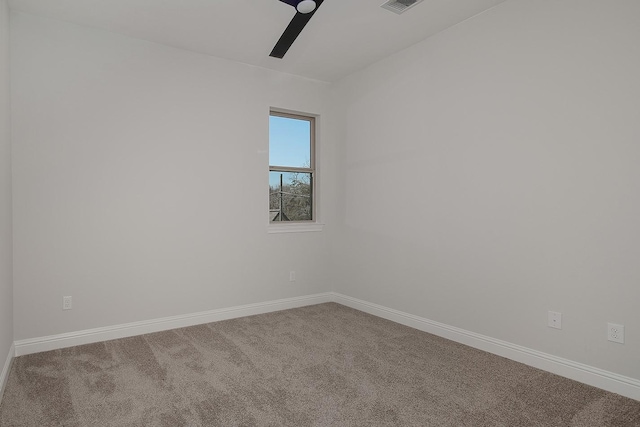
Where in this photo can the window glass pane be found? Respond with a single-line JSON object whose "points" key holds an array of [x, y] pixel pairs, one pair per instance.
{"points": [[289, 142], [290, 196]]}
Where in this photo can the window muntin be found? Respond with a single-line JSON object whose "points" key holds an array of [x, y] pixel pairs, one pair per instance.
{"points": [[291, 168]]}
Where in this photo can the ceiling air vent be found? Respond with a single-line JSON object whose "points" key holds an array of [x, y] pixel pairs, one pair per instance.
{"points": [[399, 6]]}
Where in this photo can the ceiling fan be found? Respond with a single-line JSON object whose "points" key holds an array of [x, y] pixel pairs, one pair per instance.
{"points": [[304, 11]]}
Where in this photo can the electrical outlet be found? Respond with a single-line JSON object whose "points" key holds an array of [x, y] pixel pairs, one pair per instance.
{"points": [[554, 320], [67, 303], [615, 333], [292, 276]]}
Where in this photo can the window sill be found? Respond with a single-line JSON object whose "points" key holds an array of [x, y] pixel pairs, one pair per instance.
{"points": [[299, 227]]}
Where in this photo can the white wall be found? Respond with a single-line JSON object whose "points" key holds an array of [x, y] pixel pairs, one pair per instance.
{"points": [[491, 173], [140, 181], [6, 286]]}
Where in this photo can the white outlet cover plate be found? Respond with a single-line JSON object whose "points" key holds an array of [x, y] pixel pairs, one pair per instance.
{"points": [[555, 320], [615, 332]]}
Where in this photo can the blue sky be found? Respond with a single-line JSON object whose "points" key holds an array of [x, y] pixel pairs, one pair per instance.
{"points": [[289, 143]]}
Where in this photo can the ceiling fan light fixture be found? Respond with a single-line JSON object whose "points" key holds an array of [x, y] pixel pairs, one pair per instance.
{"points": [[306, 6]]}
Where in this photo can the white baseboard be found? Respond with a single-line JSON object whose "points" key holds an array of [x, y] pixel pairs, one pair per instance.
{"points": [[4, 375], [88, 336], [610, 381]]}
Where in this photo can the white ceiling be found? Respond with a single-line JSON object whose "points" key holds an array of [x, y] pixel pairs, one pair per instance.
{"points": [[342, 37]]}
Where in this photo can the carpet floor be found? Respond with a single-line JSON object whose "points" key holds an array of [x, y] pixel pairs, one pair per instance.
{"points": [[322, 365]]}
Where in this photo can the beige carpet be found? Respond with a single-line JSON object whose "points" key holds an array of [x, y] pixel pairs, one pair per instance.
{"points": [[323, 365]]}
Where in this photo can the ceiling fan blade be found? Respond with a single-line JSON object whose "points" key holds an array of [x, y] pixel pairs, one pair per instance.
{"points": [[292, 31], [293, 3]]}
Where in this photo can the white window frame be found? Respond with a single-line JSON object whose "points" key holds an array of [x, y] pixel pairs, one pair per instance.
{"points": [[306, 225]]}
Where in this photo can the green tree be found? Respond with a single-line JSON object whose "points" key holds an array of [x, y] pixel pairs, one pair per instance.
{"points": [[295, 195]]}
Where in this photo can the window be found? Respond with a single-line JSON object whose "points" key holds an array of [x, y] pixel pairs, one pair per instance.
{"points": [[291, 168]]}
